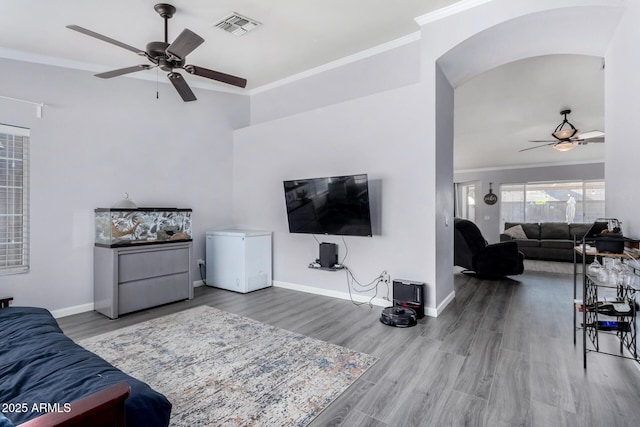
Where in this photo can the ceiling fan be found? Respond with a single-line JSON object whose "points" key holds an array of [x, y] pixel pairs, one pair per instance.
{"points": [[168, 57], [567, 137]]}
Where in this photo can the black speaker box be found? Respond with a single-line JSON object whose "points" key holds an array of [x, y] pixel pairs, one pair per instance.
{"points": [[409, 294], [328, 255]]}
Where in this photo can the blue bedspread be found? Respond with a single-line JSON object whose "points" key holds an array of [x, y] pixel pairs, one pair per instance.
{"points": [[39, 364]]}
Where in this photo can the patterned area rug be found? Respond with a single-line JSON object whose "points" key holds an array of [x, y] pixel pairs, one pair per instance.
{"points": [[220, 369]]}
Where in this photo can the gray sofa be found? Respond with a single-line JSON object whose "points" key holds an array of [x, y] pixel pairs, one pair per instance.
{"points": [[551, 241]]}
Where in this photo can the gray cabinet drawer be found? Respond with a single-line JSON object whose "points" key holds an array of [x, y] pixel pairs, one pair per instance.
{"points": [[143, 264], [133, 296]]}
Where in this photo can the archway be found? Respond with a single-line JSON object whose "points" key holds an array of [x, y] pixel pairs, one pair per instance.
{"points": [[465, 44]]}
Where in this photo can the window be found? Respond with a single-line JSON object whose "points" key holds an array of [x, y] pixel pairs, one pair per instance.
{"points": [[14, 199], [552, 202], [467, 202]]}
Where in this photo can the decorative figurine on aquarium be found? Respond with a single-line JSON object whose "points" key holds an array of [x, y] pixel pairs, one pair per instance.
{"points": [[126, 203]]}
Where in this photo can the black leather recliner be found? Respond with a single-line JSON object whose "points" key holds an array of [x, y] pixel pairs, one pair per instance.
{"points": [[472, 252]]}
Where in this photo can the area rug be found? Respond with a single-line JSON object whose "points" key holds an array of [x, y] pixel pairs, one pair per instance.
{"points": [[221, 369]]}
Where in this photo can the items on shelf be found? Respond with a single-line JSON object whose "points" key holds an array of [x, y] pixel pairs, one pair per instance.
{"points": [[610, 325], [609, 294]]}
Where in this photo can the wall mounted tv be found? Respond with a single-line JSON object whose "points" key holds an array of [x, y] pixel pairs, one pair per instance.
{"points": [[336, 205]]}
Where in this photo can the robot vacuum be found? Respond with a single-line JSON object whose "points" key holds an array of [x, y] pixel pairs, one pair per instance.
{"points": [[401, 317]]}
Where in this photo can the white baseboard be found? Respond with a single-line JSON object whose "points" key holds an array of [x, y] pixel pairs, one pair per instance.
{"points": [[439, 309], [198, 283], [381, 302], [72, 310]]}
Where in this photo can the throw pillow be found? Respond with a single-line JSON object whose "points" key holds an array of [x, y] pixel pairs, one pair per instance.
{"points": [[516, 232]]}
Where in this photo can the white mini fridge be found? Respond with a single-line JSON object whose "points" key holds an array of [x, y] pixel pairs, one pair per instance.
{"points": [[238, 260]]}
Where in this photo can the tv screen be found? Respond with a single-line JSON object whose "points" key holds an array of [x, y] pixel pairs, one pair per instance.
{"points": [[333, 205]]}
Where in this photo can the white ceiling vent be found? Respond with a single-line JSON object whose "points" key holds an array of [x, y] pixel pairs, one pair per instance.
{"points": [[237, 24]]}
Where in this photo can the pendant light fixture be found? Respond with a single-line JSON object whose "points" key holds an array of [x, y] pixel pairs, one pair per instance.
{"points": [[565, 129], [564, 132]]}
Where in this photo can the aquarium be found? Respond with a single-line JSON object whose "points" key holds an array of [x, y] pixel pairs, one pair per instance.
{"points": [[124, 227]]}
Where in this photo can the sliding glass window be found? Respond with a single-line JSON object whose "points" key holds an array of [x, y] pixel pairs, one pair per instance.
{"points": [[14, 199], [569, 201]]}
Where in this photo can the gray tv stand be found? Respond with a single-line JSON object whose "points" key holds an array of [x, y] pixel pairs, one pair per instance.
{"points": [[132, 278]]}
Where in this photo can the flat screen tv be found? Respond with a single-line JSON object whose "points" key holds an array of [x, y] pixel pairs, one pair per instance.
{"points": [[337, 205]]}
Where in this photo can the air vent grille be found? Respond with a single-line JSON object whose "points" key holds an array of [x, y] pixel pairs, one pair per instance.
{"points": [[237, 24]]}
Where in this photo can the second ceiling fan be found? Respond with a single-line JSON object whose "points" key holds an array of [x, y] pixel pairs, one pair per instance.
{"points": [[567, 137], [167, 56]]}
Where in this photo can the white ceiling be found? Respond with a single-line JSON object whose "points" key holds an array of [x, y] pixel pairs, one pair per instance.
{"points": [[496, 112], [499, 111], [295, 36]]}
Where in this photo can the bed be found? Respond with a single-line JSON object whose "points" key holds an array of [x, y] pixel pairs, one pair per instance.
{"points": [[42, 372]]}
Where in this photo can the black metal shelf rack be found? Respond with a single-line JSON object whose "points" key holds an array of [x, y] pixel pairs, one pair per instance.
{"points": [[592, 288]]}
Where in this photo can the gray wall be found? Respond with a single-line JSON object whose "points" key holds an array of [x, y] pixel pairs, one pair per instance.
{"points": [[491, 227], [99, 139]]}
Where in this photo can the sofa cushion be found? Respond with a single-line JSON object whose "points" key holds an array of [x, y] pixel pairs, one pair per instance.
{"points": [[528, 243], [566, 244], [554, 230], [579, 230], [531, 229], [516, 232]]}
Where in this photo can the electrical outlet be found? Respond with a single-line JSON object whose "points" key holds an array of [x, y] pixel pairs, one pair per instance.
{"points": [[200, 262], [385, 277]]}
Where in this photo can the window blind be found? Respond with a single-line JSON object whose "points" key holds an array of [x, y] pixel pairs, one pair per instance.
{"points": [[14, 199]]}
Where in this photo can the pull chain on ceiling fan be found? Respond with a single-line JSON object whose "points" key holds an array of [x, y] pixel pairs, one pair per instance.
{"points": [[167, 56], [567, 136]]}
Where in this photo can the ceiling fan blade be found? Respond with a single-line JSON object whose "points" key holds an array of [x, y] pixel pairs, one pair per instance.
{"points": [[181, 86], [590, 140], [543, 140], [184, 44], [591, 134], [537, 146], [216, 75], [106, 39], [121, 71]]}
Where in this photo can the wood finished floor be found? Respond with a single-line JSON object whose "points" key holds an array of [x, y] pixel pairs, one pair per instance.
{"points": [[501, 354]]}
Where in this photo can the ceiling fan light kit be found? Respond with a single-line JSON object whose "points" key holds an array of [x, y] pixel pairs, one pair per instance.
{"points": [[167, 56], [565, 146]]}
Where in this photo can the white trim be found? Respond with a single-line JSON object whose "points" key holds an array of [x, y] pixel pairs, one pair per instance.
{"points": [[409, 38], [442, 306], [63, 312], [535, 165], [14, 130], [447, 11], [380, 302], [19, 55], [198, 283]]}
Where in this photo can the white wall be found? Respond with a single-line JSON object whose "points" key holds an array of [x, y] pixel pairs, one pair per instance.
{"points": [[98, 139], [622, 105], [380, 135]]}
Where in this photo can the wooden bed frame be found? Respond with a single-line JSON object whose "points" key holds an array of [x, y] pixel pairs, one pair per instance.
{"points": [[104, 408]]}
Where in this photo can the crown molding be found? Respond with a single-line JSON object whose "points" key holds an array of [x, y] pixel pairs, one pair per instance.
{"points": [[409, 38], [24, 56], [447, 11], [537, 165]]}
